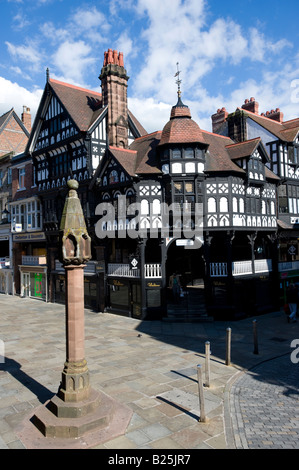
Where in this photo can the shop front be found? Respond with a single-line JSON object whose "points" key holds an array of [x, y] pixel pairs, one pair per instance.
{"points": [[34, 282], [30, 265], [6, 271]]}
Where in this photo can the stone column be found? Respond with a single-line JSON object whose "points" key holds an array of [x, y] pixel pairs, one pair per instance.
{"points": [[77, 410], [75, 376]]}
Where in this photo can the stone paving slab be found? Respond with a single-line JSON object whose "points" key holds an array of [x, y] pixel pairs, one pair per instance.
{"points": [[148, 366]]}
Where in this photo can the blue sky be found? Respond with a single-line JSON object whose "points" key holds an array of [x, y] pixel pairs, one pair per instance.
{"points": [[227, 52]]}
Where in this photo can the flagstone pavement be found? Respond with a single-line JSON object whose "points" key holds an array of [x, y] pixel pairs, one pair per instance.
{"points": [[151, 367]]}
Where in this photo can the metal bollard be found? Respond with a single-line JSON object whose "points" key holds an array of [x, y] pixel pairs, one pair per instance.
{"points": [[201, 395], [207, 382], [228, 346], [255, 341]]}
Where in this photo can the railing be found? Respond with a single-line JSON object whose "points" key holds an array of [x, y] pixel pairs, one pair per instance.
{"points": [[218, 269], [152, 271], [122, 270], [4, 263], [33, 260], [125, 270], [288, 266], [241, 268]]}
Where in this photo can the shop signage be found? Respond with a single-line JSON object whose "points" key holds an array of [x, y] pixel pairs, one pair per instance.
{"points": [[292, 249], [134, 262], [24, 237], [154, 284]]}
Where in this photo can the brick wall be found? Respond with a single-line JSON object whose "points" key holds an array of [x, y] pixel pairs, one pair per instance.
{"points": [[12, 138], [29, 189]]}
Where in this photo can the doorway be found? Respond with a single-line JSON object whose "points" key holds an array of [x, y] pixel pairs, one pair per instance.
{"points": [[25, 285], [189, 266]]}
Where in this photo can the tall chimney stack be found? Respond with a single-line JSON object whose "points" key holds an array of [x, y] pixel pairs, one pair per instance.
{"points": [[218, 119], [26, 118], [114, 81]]}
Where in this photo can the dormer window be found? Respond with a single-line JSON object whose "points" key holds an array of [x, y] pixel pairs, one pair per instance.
{"points": [[256, 170]]}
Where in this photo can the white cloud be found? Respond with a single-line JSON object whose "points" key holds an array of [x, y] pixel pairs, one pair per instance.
{"points": [[14, 96], [20, 21], [72, 59], [152, 114], [29, 54]]}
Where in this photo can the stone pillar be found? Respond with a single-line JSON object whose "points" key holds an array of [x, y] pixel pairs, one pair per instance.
{"points": [[75, 376], [77, 411]]}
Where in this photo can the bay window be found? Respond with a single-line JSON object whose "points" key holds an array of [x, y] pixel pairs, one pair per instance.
{"points": [[28, 214]]}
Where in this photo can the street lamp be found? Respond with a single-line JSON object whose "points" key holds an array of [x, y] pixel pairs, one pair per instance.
{"points": [[5, 216]]}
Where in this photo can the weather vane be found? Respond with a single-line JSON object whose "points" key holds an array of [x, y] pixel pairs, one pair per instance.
{"points": [[178, 81]]}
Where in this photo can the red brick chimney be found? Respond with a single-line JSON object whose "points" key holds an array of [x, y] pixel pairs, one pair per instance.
{"points": [[276, 115], [114, 81], [251, 105], [26, 118], [218, 119]]}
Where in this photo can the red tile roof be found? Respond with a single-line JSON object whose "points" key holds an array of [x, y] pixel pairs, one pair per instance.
{"points": [[181, 128], [83, 105], [218, 159], [243, 149], [286, 131], [141, 158]]}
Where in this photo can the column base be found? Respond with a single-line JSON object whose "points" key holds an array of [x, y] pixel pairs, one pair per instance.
{"points": [[74, 385], [60, 425]]}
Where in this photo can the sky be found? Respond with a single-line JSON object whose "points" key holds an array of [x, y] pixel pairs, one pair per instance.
{"points": [[226, 51]]}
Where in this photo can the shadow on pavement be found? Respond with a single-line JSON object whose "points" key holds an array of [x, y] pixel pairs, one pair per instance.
{"points": [[15, 369]]}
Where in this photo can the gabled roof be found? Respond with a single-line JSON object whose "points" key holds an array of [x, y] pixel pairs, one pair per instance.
{"points": [[146, 147], [218, 158], [126, 158], [243, 149], [4, 119], [141, 157], [83, 105], [136, 123], [285, 131]]}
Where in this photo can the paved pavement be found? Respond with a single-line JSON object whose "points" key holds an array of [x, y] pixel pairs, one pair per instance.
{"points": [[152, 368]]}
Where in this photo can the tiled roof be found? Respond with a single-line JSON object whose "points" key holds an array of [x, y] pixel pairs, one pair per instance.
{"points": [[218, 159], [137, 124], [126, 158], [286, 131], [181, 128], [146, 148], [243, 149], [81, 104], [5, 117], [141, 157]]}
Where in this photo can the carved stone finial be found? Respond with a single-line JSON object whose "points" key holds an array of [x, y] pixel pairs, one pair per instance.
{"points": [[74, 237]]}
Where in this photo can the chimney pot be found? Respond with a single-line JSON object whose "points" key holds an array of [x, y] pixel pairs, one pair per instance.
{"points": [[115, 57], [26, 118], [121, 59], [251, 105], [109, 56]]}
